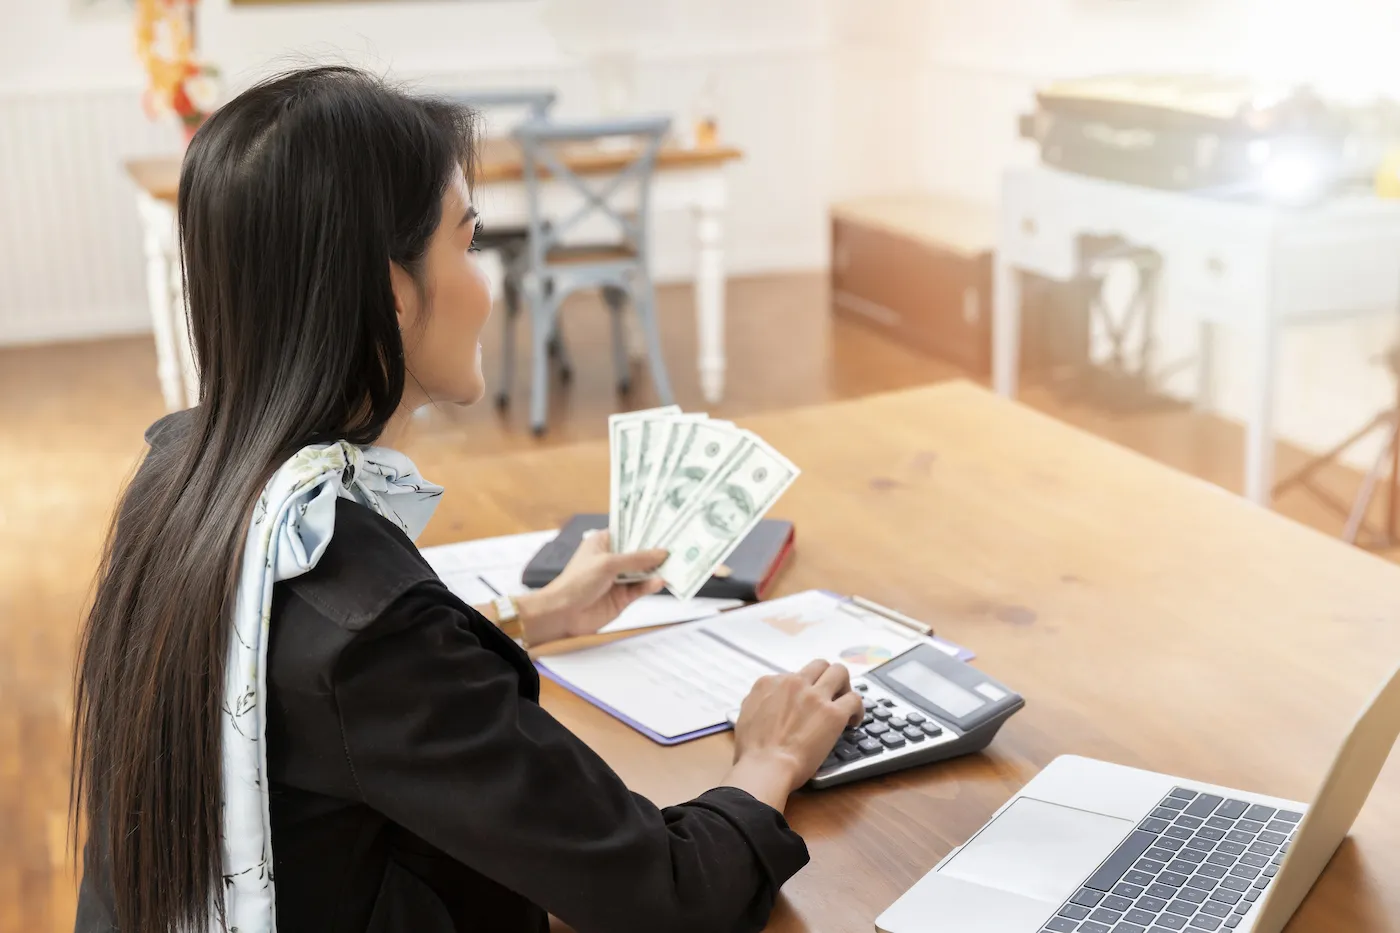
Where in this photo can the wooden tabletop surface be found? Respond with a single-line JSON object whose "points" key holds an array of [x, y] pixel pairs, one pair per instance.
{"points": [[1148, 618], [500, 162]]}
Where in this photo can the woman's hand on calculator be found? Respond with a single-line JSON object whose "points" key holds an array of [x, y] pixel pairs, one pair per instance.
{"points": [[788, 725]]}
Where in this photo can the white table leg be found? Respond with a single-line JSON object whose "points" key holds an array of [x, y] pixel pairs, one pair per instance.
{"points": [[1205, 367], [1006, 327], [157, 225], [1259, 432], [180, 327], [709, 299]]}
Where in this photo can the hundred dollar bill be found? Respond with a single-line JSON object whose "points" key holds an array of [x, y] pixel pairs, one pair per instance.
{"points": [[623, 465], [661, 442], [704, 448], [714, 523]]}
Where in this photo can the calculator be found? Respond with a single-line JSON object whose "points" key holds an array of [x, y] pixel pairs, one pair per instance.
{"points": [[920, 707]]}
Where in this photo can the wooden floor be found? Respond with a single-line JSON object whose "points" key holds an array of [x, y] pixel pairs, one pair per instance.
{"points": [[71, 419]]}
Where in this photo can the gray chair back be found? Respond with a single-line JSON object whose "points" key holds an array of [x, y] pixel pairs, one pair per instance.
{"points": [[540, 141], [537, 102]]}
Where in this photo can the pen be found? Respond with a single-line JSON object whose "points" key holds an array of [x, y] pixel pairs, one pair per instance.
{"points": [[896, 617]]}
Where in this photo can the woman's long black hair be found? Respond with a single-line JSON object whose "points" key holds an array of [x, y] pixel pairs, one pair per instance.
{"points": [[294, 199]]}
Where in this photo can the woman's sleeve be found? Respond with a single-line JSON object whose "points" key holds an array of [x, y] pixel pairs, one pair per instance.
{"points": [[441, 742]]}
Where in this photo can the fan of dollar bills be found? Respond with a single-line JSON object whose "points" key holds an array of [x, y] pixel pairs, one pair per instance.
{"points": [[691, 485]]}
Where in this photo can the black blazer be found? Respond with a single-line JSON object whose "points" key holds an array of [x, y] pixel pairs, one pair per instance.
{"points": [[417, 785]]}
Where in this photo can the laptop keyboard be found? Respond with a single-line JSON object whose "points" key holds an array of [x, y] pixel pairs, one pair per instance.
{"points": [[1197, 863]]}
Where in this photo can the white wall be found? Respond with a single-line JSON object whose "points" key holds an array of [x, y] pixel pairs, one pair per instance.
{"points": [[73, 275], [973, 68]]}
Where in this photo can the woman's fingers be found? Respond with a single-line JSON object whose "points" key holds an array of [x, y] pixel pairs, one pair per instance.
{"points": [[834, 681], [639, 561], [813, 671]]}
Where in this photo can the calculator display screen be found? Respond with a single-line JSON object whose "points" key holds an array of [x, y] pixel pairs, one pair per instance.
{"points": [[937, 689]]}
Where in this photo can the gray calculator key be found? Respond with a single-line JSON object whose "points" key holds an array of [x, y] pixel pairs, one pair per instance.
{"points": [[871, 746], [1116, 902], [1061, 925], [931, 728], [893, 740], [913, 733], [1170, 921], [1138, 915], [898, 722], [1261, 813], [915, 718], [1204, 805], [831, 762], [1074, 911], [1232, 809], [887, 702], [882, 714], [877, 729], [869, 704], [847, 752], [855, 735]]}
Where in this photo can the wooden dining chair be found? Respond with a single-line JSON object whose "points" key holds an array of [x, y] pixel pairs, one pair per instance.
{"points": [[559, 264]]}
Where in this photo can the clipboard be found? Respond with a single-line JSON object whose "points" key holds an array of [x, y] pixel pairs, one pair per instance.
{"points": [[677, 685]]}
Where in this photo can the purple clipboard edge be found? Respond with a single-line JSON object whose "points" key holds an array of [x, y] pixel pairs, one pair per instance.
{"points": [[656, 737], [963, 655]]}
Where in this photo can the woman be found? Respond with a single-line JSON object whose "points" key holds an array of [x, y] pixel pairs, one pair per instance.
{"points": [[284, 719]]}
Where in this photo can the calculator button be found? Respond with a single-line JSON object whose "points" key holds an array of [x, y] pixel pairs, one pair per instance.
{"points": [[876, 729], [882, 714], [917, 718], [847, 752], [893, 740], [862, 688], [852, 735], [867, 720], [913, 733], [931, 728], [831, 762], [871, 746], [887, 702], [868, 703], [899, 722]]}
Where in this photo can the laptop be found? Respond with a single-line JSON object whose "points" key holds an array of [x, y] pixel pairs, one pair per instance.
{"points": [[1093, 847]]}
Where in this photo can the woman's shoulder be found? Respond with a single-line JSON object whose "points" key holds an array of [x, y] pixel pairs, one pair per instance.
{"points": [[367, 566]]}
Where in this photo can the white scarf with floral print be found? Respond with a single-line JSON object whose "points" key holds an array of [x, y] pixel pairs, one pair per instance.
{"points": [[293, 521]]}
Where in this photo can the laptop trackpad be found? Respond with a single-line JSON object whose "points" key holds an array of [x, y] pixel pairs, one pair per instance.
{"points": [[1038, 849]]}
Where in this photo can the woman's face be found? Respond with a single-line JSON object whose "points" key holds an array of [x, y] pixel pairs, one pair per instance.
{"points": [[442, 324]]}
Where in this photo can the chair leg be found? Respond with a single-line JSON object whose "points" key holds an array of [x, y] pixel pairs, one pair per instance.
{"points": [[616, 300], [559, 352], [644, 299], [511, 289], [541, 329]]}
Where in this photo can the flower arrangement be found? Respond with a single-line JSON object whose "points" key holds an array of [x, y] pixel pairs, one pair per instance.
{"points": [[180, 86]]}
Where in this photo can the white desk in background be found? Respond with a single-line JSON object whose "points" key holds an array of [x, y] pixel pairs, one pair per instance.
{"points": [[1254, 267], [686, 179]]}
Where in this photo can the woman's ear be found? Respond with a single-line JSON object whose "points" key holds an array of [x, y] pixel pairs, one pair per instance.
{"points": [[406, 298]]}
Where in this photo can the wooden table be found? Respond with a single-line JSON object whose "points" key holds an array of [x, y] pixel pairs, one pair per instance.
{"points": [[1149, 618], [687, 179]]}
